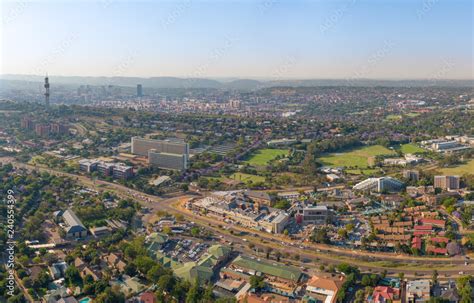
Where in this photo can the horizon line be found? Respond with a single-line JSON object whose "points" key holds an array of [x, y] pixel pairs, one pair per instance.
{"points": [[256, 78]]}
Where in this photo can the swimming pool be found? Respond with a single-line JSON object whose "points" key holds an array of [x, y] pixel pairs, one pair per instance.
{"points": [[85, 300]]}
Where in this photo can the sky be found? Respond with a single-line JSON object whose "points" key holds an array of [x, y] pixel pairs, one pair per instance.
{"points": [[261, 39]]}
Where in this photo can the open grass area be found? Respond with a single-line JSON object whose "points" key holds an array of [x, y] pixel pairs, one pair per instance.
{"points": [[393, 117], [246, 177], [264, 156], [356, 157], [411, 148], [466, 168], [365, 172]]}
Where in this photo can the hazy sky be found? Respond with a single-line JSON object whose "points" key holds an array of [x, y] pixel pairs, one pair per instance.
{"points": [[267, 38]]}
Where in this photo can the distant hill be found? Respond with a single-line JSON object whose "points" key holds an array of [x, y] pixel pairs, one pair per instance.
{"points": [[238, 84], [245, 84]]}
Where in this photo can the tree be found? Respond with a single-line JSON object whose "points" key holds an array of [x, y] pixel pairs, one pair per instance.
{"points": [[166, 282], [144, 264], [195, 231], [268, 252], [257, 282], [320, 236], [278, 256], [366, 280], [208, 296], [155, 273], [193, 293], [73, 277], [434, 277]]}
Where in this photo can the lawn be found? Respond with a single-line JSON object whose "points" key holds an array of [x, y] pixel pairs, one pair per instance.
{"points": [[467, 168], [263, 156], [411, 148], [246, 177], [356, 157], [366, 172], [393, 117]]}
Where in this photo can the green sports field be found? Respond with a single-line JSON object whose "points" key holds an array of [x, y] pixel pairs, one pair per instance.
{"points": [[467, 168], [411, 148], [264, 156], [356, 157]]}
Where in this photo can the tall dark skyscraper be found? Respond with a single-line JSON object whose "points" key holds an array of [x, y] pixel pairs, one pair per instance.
{"points": [[46, 93], [139, 90]]}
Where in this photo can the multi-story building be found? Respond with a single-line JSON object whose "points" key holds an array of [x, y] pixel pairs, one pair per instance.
{"points": [[412, 175], [141, 146], [317, 215], [439, 146], [122, 171], [88, 165], [418, 291], [446, 182], [42, 129], [139, 90], [275, 222], [106, 169], [59, 128], [379, 184], [168, 160], [27, 123]]}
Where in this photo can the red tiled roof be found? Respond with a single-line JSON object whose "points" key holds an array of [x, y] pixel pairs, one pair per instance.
{"points": [[148, 297], [385, 292], [416, 243], [422, 232], [428, 221], [439, 240], [436, 250], [423, 227]]}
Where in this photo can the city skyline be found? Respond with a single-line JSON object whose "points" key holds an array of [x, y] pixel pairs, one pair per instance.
{"points": [[243, 39]]}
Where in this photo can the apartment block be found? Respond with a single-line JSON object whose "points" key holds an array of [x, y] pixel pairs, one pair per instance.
{"points": [[446, 182]]}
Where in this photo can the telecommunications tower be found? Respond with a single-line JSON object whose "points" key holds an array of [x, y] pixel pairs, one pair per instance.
{"points": [[46, 93]]}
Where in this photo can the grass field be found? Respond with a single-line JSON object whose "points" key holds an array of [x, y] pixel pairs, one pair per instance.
{"points": [[393, 117], [366, 172], [356, 157], [467, 168], [246, 177], [411, 148], [264, 156]]}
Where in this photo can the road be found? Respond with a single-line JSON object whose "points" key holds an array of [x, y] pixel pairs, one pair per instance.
{"points": [[326, 254]]}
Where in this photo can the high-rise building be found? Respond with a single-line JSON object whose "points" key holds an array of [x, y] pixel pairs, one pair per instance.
{"points": [[42, 129], [167, 154], [446, 182], [167, 160], [139, 90], [27, 123], [59, 128], [412, 175], [141, 146]]}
